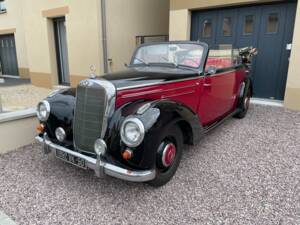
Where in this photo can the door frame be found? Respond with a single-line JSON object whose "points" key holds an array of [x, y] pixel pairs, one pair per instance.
{"points": [[58, 51], [17, 75]]}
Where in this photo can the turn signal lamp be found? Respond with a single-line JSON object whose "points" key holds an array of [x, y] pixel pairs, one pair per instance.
{"points": [[127, 154], [40, 128]]}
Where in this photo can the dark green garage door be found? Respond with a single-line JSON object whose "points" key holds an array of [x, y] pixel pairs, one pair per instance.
{"points": [[8, 56], [267, 27]]}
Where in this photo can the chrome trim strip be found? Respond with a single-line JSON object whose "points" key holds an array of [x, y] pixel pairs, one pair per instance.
{"points": [[222, 73], [159, 82], [179, 94], [108, 168], [173, 81], [155, 91]]}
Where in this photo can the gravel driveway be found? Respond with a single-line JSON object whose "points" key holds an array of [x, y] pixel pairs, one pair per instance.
{"points": [[244, 172]]}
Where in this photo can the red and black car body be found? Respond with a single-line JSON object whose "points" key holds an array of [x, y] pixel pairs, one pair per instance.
{"points": [[158, 107]]}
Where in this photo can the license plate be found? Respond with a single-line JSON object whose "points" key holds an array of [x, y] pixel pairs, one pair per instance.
{"points": [[76, 161]]}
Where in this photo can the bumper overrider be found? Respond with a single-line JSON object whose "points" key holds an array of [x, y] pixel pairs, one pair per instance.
{"points": [[100, 167]]}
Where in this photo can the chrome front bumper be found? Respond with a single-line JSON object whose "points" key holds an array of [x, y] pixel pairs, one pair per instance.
{"points": [[100, 167]]}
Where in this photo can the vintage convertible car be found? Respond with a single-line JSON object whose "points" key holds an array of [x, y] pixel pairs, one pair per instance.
{"points": [[132, 124]]}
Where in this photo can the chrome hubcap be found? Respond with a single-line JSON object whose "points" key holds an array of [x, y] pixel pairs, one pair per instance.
{"points": [[246, 102], [168, 155]]}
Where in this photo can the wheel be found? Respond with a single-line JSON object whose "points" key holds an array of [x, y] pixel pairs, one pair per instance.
{"points": [[244, 104], [168, 156]]}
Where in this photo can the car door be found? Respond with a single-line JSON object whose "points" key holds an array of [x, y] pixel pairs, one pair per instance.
{"points": [[218, 95]]}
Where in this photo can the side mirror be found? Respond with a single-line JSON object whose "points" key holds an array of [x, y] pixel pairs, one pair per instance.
{"points": [[211, 70]]}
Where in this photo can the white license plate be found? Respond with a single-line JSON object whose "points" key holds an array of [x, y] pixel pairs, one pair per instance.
{"points": [[76, 161]]}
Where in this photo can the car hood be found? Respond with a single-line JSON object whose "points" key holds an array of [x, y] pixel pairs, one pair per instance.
{"points": [[147, 75]]}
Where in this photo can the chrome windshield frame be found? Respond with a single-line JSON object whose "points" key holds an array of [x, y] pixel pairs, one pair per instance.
{"points": [[199, 69]]}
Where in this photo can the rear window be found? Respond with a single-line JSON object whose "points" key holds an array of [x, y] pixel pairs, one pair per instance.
{"points": [[222, 58]]}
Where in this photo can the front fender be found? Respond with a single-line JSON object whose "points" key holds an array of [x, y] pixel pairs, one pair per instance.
{"points": [[62, 105], [157, 117]]}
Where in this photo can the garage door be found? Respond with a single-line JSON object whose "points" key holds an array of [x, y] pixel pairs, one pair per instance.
{"points": [[8, 56], [267, 27]]}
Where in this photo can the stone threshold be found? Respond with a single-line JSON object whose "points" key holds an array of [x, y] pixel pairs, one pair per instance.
{"points": [[10, 76], [267, 102]]}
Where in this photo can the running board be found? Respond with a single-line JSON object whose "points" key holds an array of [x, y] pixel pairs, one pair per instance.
{"points": [[218, 123]]}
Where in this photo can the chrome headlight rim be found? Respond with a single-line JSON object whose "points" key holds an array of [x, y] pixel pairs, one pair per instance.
{"points": [[141, 128], [47, 105]]}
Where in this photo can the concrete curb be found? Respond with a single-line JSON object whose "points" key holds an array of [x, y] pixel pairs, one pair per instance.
{"points": [[5, 220], [17, 115], [17, 129]]}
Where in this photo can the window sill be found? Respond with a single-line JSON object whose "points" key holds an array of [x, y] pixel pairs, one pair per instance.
{"points": [[17, 115]]}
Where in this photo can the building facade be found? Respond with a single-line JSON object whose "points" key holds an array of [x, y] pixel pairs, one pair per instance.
{"points": [[271, 26], [61, 42]]}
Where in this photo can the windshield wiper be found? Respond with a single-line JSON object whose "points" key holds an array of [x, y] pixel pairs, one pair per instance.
{"points": [[168, 62], [142, 61]]}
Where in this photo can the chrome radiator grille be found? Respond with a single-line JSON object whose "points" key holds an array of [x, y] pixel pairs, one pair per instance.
{"points": [[90, 110]]}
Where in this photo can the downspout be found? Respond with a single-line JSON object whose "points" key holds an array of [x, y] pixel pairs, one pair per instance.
{"points": [[104, 36]]}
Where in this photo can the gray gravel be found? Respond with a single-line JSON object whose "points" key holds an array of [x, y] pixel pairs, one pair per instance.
{"points": [[244, 172]]}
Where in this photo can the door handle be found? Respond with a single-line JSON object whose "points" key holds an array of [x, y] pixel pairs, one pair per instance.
{"points": [[206, 85]]}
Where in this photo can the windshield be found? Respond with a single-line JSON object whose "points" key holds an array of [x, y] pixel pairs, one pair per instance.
{"points": [[188, 55]]}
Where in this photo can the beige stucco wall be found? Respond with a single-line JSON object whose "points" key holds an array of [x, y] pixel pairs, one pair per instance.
{"points": [[180, 24], [83, 37], [292, 94], [127, 19], [12, 22], [17, 133]]}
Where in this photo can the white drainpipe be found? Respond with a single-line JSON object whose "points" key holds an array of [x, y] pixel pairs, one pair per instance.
{"points": [[1, 110], [104, 35]]}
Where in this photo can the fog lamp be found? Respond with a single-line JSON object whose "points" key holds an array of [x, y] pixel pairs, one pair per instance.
{"points": [[100, 147], [60, 134]]}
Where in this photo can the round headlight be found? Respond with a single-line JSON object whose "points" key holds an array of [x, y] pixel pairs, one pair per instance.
{"points": [[100, 147], [60, 134], [132, 132], [43, 110]]}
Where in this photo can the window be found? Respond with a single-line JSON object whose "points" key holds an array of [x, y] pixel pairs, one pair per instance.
{"points": [[272, 25], [224, 57], [151, 39], [249, 25], [207, 29], [2, 6], [227, 29]]}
